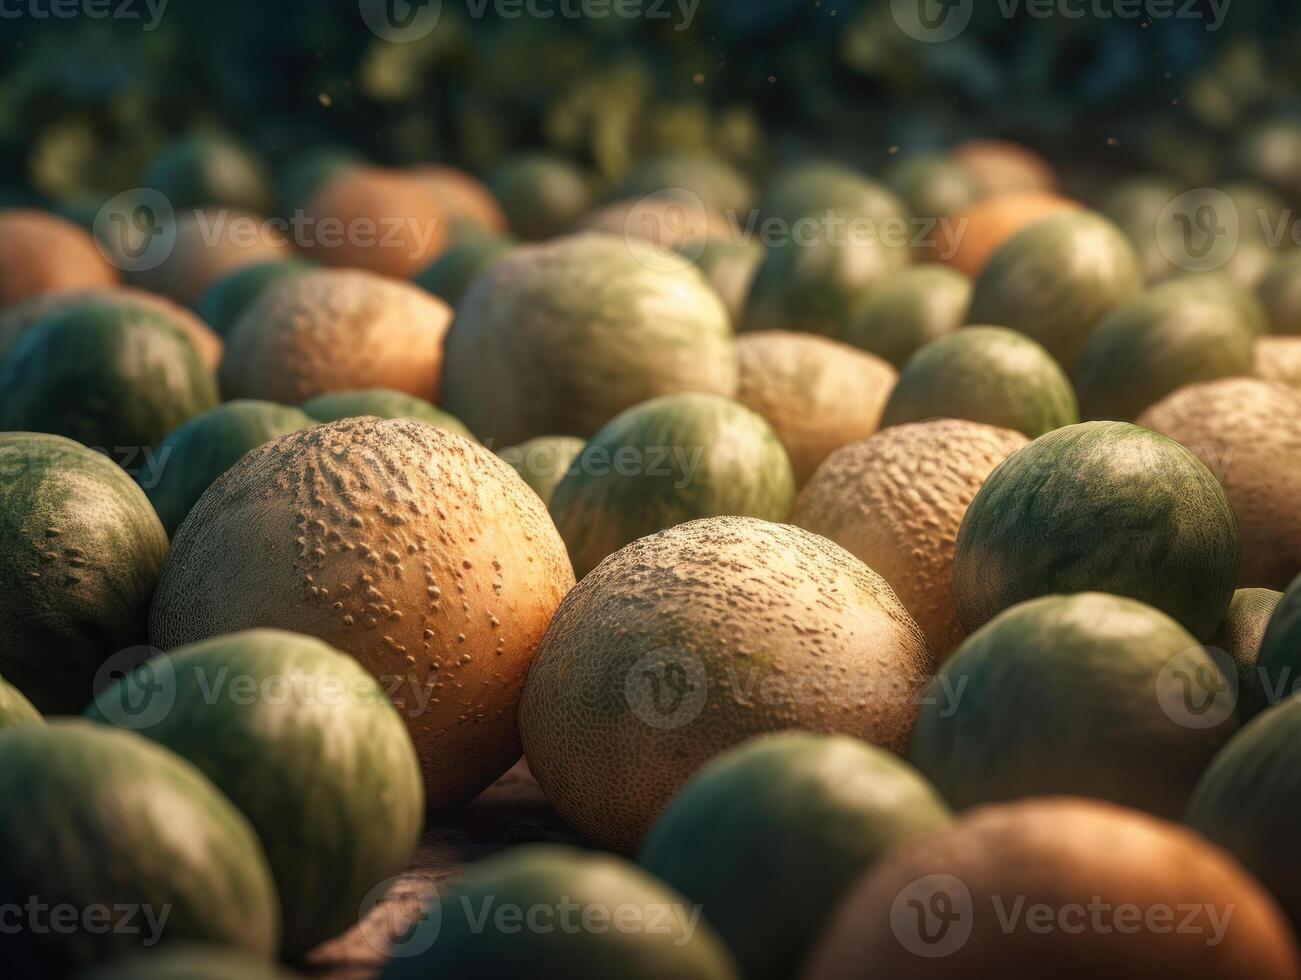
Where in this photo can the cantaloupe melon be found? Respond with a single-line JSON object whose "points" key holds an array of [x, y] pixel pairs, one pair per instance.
{"points": [[43, 253], [465, 199]]}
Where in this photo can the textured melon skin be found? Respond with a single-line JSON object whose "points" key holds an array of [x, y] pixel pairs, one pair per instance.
{"points": [[767, 837], [187, 961], [566, 884], [1280, 650], [97, 816], [1248, 434], [817, 394], [42, 253], [1056, 280], [543, 462], [1058, 697], [417, 551], [896, 502], [17, 320], [984, 374], [337, 330], [111, 377], [320, 763], [188, 461], [82, 552], [776, 628], [450, 275], [384, 403], [1157, 343], [689, 457], [15, 709], [1248, 798], [1241, 636], [1099, 507], [719, 186], [562, 337], [542, 196], [227, 299], [1010, 859], [908, 310]]}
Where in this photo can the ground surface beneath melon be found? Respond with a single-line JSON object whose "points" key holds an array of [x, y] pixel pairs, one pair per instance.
{"points": [[512, 811]]}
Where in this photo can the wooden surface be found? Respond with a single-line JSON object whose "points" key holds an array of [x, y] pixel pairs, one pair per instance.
{"points": [[513, 811]]}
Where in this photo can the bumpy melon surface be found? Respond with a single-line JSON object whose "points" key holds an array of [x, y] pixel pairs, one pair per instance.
{"points": [[93, 816], [817, 394], [417, 551], [767, 837], [337, 330], [42, 253], [690, 641], [82, 552], [1057, 887], [1248, 434], [896, 502], [562, 337], [1099, 507]]}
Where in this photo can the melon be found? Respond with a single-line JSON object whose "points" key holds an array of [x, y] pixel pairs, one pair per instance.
{"points": [[666, 462], [558, 913], [1279, 359], [713, 181], [42, 253], [209, 245], [1240, 638], [562, 337], [542, 196], [205, 170], [416, 551], [971, 236], [933, 185], [381, 403], [690, 641], [1280, 292], [895, 501], [226, 300], [1099, 507], [673, 223], [814, 189], [730, 266], [1056, 280], [187, 961], [1004, 167], [1155, 344], [318, 760], [15, 709], [1085, 695], [543, 462], [1061, 888], [17, 320], [114, 377], [109, 824], [336, 330], [1248, 434], [984, 374], [303, 174], [1280, 649], [466, 201], [817, 394], [83, 549], [383, 221], [450, 275], [192, 456], [908, 310], [768, 836], [1136, 205]]}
